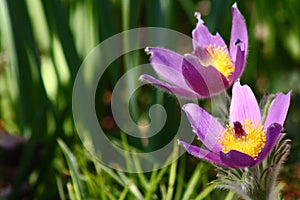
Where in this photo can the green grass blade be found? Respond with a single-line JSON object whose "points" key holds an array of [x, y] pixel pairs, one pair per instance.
{"points": [[172, 173], [30, 98], [124, 193], [230, 195], [109, 171], [26, 64], [205, 192], [142, 179], [58, 23], [132, 187], [71, 192], [107, 29], [74, 171], [156, 177], [127, 152], [193, 182], [180, 178], [130, 60], [60, 188]]}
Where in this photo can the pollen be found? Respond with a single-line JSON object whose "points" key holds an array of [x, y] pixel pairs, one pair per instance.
{"points": [[250, 143], [219, 58]]}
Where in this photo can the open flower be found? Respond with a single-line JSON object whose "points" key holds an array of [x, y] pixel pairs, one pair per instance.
{"points": [[209, 69], [245, 141]]}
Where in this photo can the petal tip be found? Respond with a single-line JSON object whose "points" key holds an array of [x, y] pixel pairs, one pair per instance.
{"points": [[235, 8], [142, 77], [180, 142], [198, 16], [237, 83], [146, 78], [186, 107], [183, 144], [235, 5], [148, 50], [276, 126]]}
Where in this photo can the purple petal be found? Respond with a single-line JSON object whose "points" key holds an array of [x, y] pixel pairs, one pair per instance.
{"points": [[206, 127], [202, 153], [202, 36], [168, 87], [165, 57], [239, 63], [239, 34], [203, 55], [243, 104], [236, 159], [279, 109], [206, 81], [272, 136], [167, 64]]}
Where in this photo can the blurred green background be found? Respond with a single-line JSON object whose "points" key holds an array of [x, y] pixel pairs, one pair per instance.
{"points": [[43, 44]]}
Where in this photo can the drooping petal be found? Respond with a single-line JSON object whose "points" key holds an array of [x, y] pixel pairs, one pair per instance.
{"points": [[243, 104], [272, 136], [202, 153], [278, 110], [168, 87], [206, 127], [167, 64], [239, 34], [206, 81], [202, 36], [236, 159], [240, 62]]}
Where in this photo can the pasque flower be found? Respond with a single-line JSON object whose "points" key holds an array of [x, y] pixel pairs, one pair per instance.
{"points": [[245, 141], [209, 69]]}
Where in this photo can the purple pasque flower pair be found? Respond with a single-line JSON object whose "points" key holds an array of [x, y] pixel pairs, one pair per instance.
{"points": [[209, 69], [246, 140]]}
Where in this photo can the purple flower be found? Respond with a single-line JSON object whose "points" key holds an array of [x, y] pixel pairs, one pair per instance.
{"points": [[209, 69], [245, 141]]}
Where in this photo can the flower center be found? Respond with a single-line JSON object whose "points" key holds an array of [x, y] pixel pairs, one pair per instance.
{"points": [[248, 138], [217, 57]]}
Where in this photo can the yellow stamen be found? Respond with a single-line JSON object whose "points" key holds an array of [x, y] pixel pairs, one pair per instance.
{"points": [[251, 144], [219, 58]]}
